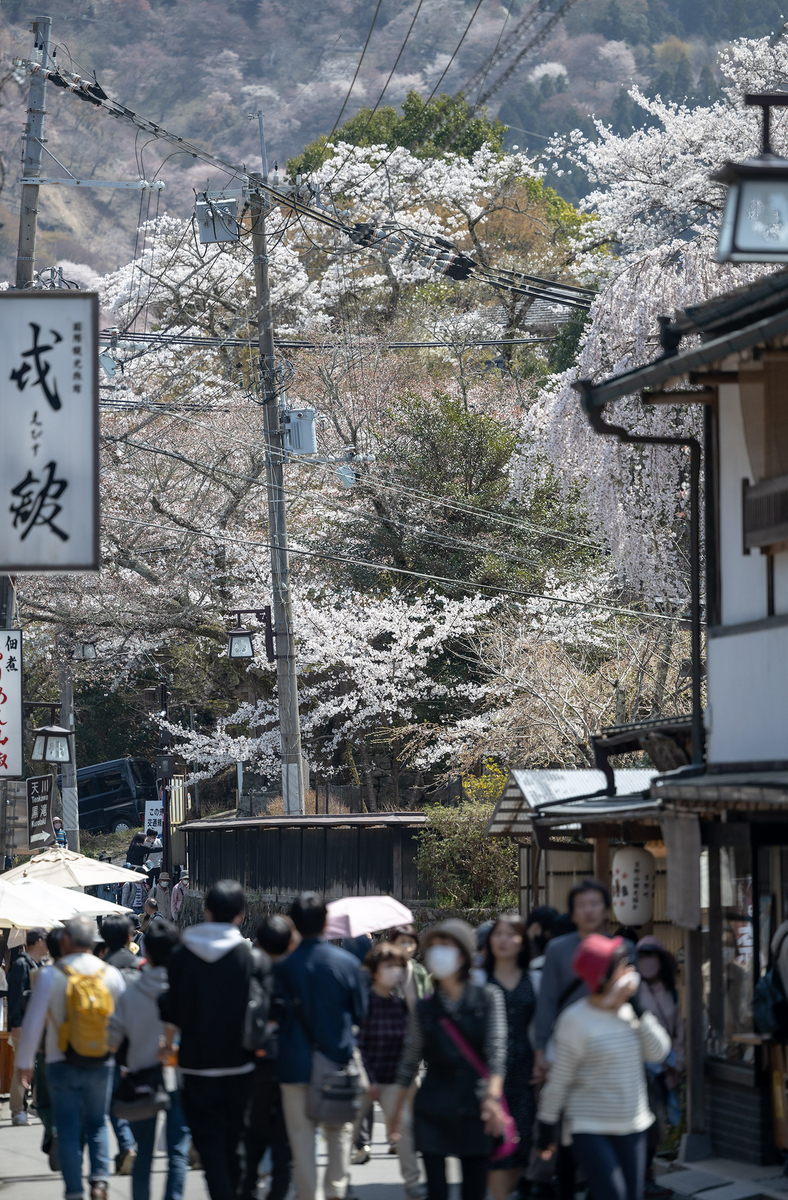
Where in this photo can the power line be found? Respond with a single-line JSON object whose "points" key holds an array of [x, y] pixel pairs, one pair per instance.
{"points": [[358, 68], [388, 570]]}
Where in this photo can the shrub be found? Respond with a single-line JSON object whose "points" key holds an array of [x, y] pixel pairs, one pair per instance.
{"points": [[459, 866]]}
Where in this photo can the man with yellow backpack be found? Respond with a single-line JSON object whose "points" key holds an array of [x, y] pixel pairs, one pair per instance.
{"points": [[79, 1064]]}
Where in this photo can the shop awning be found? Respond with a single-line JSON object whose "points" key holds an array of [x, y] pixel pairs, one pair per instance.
{"points": [[569, 800]]}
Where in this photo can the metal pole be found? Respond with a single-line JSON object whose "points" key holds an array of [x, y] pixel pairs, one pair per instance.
{"points": [[287, 682], [68, 774], [166, 784], [194, 770], [34, 139]]}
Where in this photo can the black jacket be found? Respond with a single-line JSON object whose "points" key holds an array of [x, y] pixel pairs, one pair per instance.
{"points": [[18, 986], [207, 1001], [136, 854]]}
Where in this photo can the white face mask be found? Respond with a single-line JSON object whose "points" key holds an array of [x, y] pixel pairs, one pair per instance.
{"points": [[391, 976], [443, 961]]}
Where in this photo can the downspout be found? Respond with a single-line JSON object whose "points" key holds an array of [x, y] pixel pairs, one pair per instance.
{"points": [[594, 413]]}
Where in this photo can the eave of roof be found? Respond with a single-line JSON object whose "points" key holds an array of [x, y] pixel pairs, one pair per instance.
{"points": [[673, 368], [228, 824]]}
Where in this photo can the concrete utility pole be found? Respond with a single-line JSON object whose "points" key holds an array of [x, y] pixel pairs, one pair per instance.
{"points": [[68, 772], [34, 149], [287, 681]]}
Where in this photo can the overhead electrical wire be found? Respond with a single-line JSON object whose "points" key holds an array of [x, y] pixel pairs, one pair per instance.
{"points": [[358, 68], [94, 94], [389, 570]]}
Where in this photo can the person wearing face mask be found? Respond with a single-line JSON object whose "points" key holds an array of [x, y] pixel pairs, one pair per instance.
{"points": [[597, 1082], [658, 995], [460, 1033], [380, 1039]]}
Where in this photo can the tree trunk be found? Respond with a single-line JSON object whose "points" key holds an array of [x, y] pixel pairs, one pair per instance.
{"points": [[366, 766]]}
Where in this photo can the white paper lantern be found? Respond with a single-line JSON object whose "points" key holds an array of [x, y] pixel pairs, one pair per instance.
{"points": [[633, 877]]}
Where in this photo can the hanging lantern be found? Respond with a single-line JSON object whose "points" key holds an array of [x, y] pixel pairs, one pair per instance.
{"points": [[633, 875], [755, 222]]}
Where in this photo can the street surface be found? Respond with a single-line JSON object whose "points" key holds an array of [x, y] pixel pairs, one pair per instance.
{"points": [[25, 1173]]}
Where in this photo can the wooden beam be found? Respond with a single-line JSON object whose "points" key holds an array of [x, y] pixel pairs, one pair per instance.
{"points": [[706, 396], [715, 378], [696, 1091]]}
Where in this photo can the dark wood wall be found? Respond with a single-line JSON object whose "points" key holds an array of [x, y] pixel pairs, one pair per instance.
{"points": [[335, 861]]}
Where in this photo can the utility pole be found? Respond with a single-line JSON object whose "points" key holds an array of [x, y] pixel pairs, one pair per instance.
{"points": [[34, 149], [286, 678], [165, 778], [68, 772]]}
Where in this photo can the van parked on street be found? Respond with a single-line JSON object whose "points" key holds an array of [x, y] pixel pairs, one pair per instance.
{"points": [[112, 794]]}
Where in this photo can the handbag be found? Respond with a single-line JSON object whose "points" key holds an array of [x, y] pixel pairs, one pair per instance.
{"points": [[335, 1089], [140, 1095], [511, 1137]]}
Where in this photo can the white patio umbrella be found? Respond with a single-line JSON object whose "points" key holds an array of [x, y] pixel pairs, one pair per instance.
{"points": [[67, 869], [32, 904]]}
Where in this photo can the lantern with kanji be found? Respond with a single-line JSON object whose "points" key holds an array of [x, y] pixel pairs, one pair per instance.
{"points": [[633, 876]]}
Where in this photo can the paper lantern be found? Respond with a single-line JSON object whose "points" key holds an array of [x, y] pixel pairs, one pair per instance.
{"points": [[633, 876]]}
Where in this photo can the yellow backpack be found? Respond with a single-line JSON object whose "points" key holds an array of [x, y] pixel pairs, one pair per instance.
{"points": [[89, 1006]]}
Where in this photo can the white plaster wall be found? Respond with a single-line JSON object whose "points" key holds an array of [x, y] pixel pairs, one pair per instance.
{"points": [[743, 576], [748, 696]]}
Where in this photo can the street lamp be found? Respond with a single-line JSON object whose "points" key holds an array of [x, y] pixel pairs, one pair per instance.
{"points": [[85, 651], [240, 644], [755, 222], [240, 639], [165, 766], [51, 744]]}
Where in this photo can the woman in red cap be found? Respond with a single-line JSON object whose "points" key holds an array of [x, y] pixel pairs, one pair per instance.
{"points": [[597, 1080]]}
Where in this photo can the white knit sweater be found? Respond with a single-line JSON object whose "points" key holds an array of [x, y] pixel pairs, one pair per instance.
{"points": [[597, 1080]]}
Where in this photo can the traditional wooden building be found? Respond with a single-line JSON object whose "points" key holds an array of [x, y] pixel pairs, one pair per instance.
{"points": [[356, 854], [720, 816]]}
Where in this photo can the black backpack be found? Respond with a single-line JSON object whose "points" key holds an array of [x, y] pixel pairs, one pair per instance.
{"points": [[769, 1002], [255, 1034]]}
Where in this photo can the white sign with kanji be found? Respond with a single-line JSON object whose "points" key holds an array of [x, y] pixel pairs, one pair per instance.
{"points": [[49, 518], [154, 815], [11, 704]]}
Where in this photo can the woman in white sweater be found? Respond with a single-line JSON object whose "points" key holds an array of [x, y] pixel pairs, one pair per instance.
{"points": [[597, 1081]]}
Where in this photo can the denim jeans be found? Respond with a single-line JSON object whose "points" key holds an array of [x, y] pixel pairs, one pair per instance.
{"points": [[80, 1103], [614, 1165], [123, 1131], [178, 1138]]}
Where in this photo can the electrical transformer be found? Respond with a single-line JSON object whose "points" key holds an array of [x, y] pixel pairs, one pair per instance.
{"points": [[299, 430], [217, 218]]}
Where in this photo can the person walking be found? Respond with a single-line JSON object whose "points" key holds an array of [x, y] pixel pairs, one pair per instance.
{"points": [[117, 930], [657, 969], [163, 896], [134, 895], [266, 1127], [136, 853], [417, 983], [460, 1033], [178, 893], [325, 997], [589, 908], [506, 965], [597, 1082], [381, 1037], [29, 1051], [136, 1018], [60, 834], [24, 966], [210, 979], [79, 1067]]}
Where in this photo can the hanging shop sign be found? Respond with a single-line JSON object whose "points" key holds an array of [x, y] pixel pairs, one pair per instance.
{"points": [[11, 704], [40, 830], [49, 512]]}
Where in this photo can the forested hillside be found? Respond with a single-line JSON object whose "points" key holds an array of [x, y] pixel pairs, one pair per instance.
{"points": [[200, 67]]}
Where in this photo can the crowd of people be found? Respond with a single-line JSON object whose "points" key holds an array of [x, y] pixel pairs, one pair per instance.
{"points": [[541, 1053]]}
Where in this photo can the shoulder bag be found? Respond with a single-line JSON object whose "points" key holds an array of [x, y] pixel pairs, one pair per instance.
{"points": [[511, 1137], [335, 1089]]}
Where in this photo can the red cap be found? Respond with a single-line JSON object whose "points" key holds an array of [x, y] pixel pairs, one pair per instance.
{"points": [[592, 958]]}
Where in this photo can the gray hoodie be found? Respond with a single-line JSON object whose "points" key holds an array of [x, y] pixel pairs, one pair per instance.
{"points": [[136, 1017]]}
